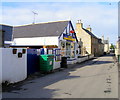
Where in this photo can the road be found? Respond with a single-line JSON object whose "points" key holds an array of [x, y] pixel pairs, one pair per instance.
{"points": [[97, 78]]}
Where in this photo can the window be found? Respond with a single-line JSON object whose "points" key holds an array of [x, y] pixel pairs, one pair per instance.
{"points": [[57, 55], [62, 45], [62, 48], [72, 50]]}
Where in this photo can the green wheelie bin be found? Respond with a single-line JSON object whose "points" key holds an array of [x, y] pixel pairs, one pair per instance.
{"points": [[46, 62]]}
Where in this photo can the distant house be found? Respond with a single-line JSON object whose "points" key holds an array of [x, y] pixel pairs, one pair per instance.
{"points": [[5, 35], [106, 44], [91, 44], [100, 47], [58, 34]]}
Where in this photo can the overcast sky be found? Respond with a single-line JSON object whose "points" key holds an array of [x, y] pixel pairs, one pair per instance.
{"points": [[101, 16]]}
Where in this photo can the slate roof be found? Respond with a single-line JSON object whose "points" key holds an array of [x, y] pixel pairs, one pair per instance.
{"points": [[90, 33], [40, 30]]}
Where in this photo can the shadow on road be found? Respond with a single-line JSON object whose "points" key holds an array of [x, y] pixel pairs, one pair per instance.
{"points": [[39, 92], [100, 62], [111, 54]]}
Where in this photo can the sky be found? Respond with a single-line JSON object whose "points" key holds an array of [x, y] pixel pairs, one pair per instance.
{"points": [[101, 16]]}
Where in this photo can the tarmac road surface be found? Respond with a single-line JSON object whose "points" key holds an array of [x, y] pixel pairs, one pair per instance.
{"points": [[97, 78]]}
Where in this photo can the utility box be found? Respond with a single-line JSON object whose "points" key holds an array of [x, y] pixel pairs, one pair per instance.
{"points": [[64, 62]]}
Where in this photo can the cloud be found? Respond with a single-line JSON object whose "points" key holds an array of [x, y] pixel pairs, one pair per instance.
{"points": [[103, 18]]}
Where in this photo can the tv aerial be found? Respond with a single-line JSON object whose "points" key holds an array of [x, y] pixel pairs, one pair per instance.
{"points": [[34, 16]]}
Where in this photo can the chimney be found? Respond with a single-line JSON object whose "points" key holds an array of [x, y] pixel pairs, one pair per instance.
{"points": [[108, 38], [102, 39], [79, 24], [89, 28]]}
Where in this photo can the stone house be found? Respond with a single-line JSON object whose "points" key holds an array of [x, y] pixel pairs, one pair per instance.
{"points": [[100, 47], [91, 44]]}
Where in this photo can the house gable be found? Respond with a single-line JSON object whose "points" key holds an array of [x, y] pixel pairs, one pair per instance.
{"points": [[68, 33]]}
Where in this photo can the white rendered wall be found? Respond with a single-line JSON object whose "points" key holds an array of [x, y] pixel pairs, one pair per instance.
{"points": [[14, 69], [117, 52], [36, 41], [0, 73], [56, 64], [79, 60], [91, 56], [106, 47], [72, 62]]}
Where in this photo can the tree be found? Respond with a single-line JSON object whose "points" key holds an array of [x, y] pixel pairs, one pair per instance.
{"points": [[112, 47]]}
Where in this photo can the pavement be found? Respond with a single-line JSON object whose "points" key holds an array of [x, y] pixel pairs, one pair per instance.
{"points": [[97, 78]]}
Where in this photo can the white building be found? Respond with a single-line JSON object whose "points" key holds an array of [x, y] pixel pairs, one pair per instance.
{"points": [[106, 44], [49, 35]]}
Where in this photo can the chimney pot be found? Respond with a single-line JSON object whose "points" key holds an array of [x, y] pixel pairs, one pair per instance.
{"points": [[89, 28], [79, 24]]}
